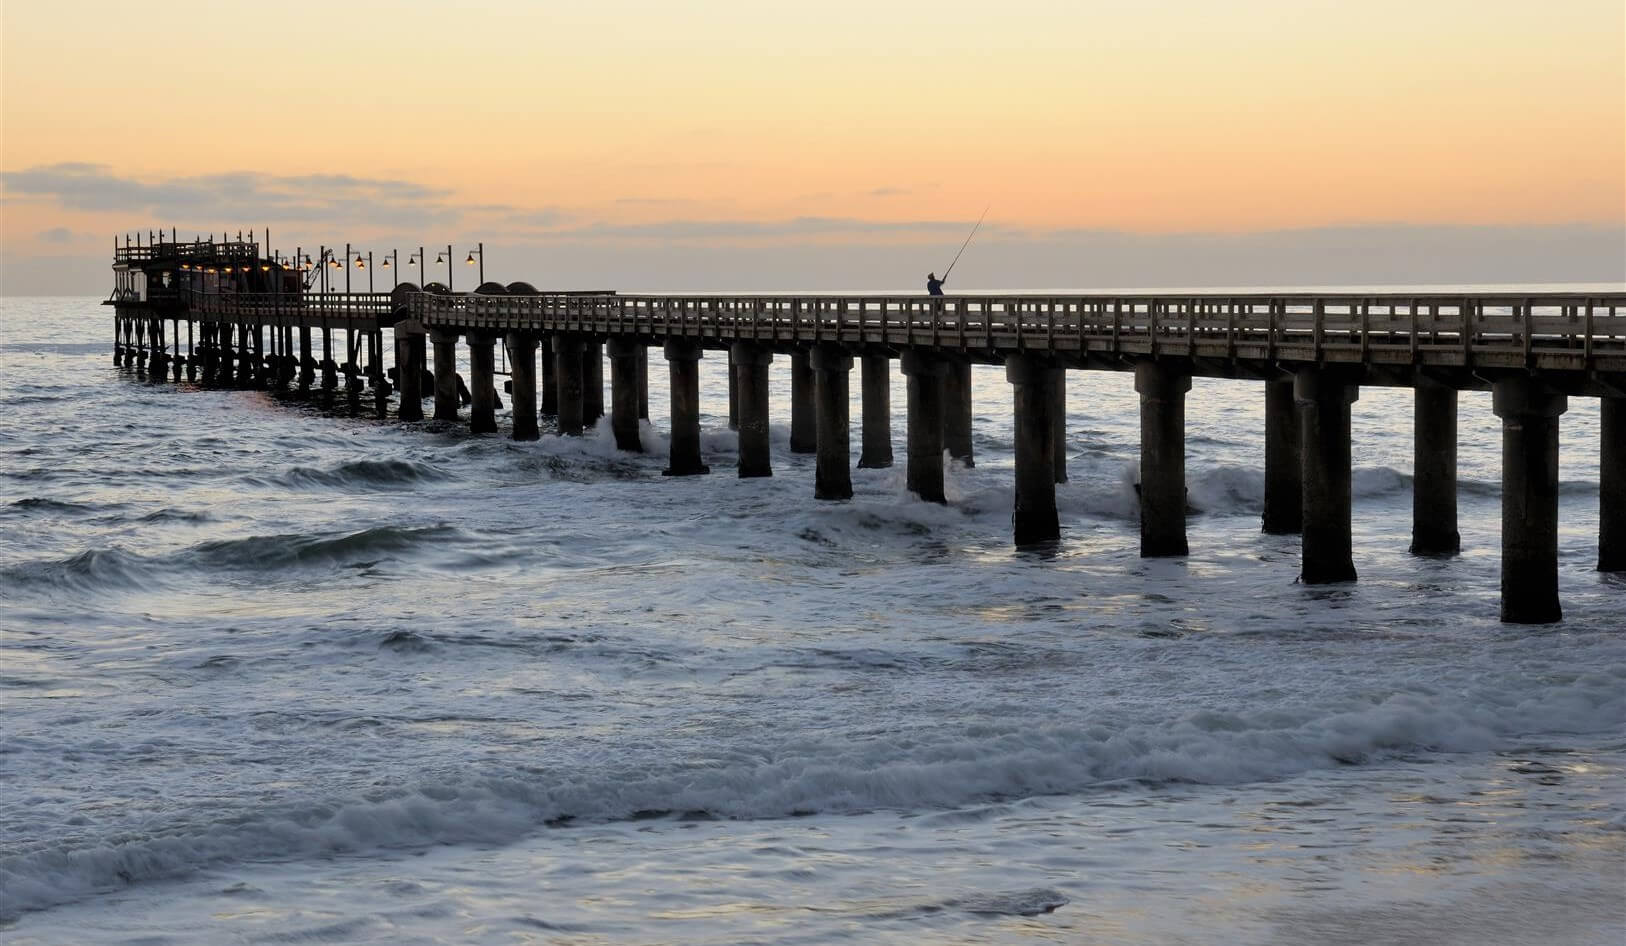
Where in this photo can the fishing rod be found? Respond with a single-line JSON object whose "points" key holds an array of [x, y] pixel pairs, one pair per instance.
{"points": [[966, 243]]}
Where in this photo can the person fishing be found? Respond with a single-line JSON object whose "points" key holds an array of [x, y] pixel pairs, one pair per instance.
{"points": [[934, 286]]}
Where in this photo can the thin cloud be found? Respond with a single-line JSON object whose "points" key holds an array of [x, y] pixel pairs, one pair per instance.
{"points": [[687, 230], [887, 192], [55, 235]]}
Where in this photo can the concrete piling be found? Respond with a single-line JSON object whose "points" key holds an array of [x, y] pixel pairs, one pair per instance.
{"points": [[924, 475], [833, 470], [1058, 423], [876, 380], [624, 393], [568, 367], [482, 383], [643, 382], [733, 394], [804, 435], [1529, 413], [446, 399], [1434, 470], [1612, 485], [1162, 386], [750, 384], [957, 410], [1284, 468], [683, 362], [1033, 514], [550, 379], [1323, 397], [522, 372], [592, 381], [410, 372]]}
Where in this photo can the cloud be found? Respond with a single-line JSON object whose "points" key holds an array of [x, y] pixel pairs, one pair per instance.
{"points": [[887, 192], [236, 196], [796, 227], [55, 235], [544, 219]]}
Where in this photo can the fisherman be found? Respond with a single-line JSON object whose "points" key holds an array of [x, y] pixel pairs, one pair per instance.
{"points": [[934, 286]]}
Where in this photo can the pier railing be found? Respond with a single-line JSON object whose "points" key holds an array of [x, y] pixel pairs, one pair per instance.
{"points": [[363, 309], [1554, 331]]}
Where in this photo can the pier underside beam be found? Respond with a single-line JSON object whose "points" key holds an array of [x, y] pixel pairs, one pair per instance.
{"points": [[957, 411], [1284, 467], [804, 435], [876, 378], [683, 363], [1434, 471], [749, 380], [924, 475], [1323, 397], [833, 473], [1529, 414], [624, 393], [522, 372], [446, 400], [1033, 514], [1162, 388], [1612, 486]]}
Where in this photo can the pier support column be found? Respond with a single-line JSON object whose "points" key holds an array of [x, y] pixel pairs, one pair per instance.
{"points": [[924, 475], [410, 372], [683, 362], [550, 378], [1033, 514], [522, 372], [118, 341], [957, 411], [1323, 397], [226, 360], [1162, 388], [750, 381], [592, 381], [643, 382], [804, 436], [567, 361], [307, 364], [875, 376], [1434, 470], [1058, 424], [248, 369], [624, 393], [1612, 485], [330, 365], [733, 393], [832, 477], [446, 400], [1529, 413], [482, 383], [1284, 467]]}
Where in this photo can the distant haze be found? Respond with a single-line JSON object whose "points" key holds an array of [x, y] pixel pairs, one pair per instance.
{"points": [[635, 144]]}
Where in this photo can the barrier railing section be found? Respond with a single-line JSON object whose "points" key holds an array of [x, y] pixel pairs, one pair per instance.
{"points": [[1336, 327], [293, 306], [201, 250]]}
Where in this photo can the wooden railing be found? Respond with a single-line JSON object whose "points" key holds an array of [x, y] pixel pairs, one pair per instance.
{"points": [[1557, 331], [293, 308], [199, 250]]}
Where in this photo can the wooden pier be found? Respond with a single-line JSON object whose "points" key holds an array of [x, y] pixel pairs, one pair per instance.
{"points": [[253, 321]]}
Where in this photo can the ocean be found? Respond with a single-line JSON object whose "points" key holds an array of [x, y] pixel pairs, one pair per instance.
{"points": [[270, 674]]}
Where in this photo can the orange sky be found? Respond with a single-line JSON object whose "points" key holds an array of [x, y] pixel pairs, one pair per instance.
{"points": [[522, 121]]}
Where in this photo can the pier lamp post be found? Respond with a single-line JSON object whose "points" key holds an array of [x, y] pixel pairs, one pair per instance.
{"points": [[445, 259], [417, 258], [480, 251], [392, 263], [366, 262]]}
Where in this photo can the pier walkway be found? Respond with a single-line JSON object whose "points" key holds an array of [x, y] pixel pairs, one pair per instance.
{"points": [[255, 321]]}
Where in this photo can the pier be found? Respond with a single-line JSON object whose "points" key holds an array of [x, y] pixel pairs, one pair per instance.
{"points": [[226, 314]]}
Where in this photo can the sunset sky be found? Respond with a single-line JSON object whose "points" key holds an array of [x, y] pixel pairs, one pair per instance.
{"points": [[832, 145]]}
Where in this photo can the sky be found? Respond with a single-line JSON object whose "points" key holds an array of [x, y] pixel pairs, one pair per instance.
{"points": [[833, 145]]}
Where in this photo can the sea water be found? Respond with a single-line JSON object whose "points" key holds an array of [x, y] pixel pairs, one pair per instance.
{"points": [[271, 674]]}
